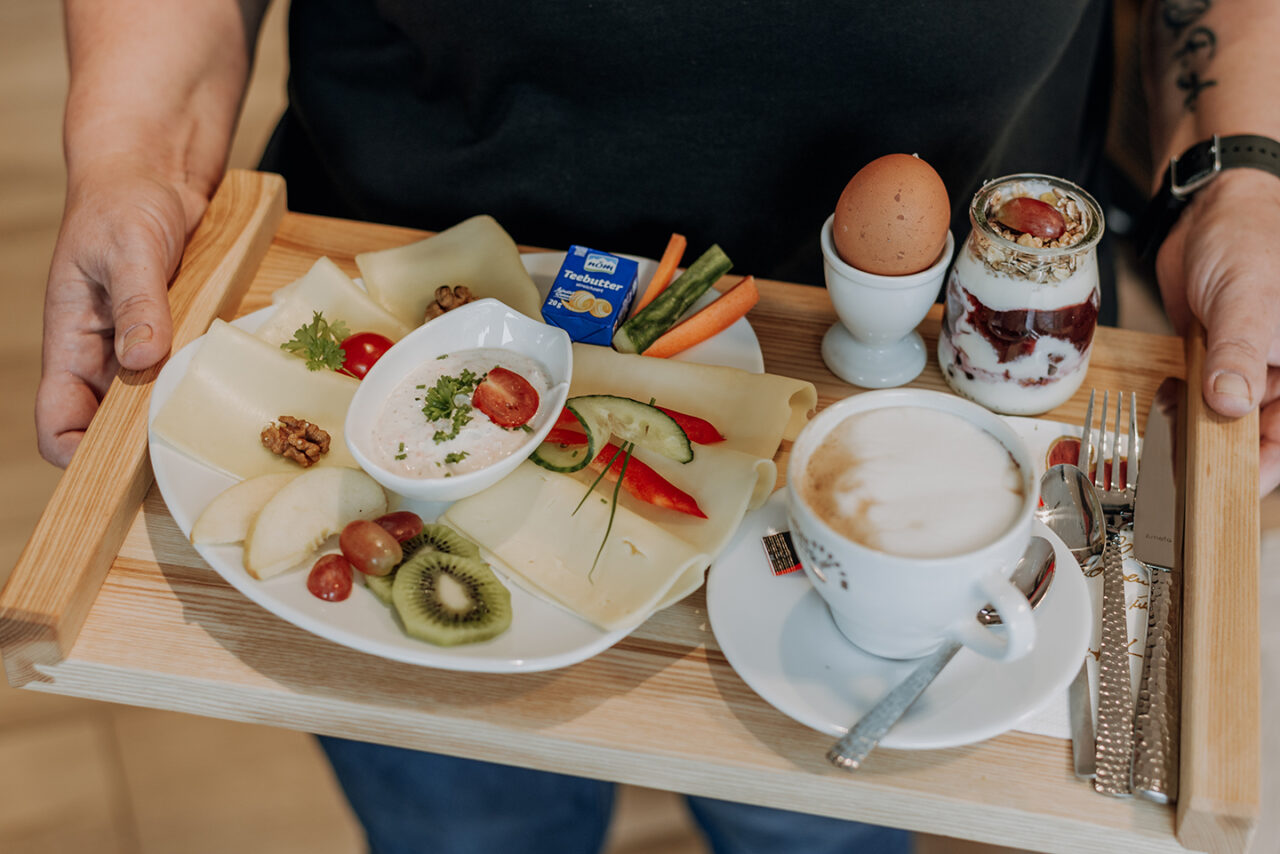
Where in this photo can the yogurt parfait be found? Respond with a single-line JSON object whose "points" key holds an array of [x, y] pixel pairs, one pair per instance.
{"points": [[1022, 298]]}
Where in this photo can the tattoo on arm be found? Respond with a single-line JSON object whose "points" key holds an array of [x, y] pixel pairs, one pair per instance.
{"points": [[1195, 46]]}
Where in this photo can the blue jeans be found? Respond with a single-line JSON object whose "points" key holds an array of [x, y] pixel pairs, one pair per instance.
{"points": [[423, 803]]}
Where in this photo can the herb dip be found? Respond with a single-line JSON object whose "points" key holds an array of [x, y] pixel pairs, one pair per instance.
{"points": [[428, 428]]}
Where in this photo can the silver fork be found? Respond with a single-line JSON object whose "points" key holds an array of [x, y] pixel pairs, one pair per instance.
{"points": [[1115, 697]]}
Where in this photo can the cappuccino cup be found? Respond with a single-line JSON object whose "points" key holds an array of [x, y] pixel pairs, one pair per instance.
{"points": [[909, 510]]}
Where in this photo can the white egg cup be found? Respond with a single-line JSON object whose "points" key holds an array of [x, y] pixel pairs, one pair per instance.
{"points": [[875, 344]]}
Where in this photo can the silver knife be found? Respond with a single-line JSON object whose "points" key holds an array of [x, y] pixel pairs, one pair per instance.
{"points": [[1157, 542]]}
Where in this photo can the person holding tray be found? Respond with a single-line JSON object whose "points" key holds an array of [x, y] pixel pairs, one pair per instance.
{"points": [[612, 125]]}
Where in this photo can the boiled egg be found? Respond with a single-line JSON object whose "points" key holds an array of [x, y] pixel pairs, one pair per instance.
{"points": [[892, 217]]}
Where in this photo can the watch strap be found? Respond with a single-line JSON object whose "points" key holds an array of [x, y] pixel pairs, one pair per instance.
{"points": [[1195, 168]]}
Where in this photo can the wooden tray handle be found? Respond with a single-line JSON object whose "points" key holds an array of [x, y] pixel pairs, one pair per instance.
{"points": [[57, 578], [1220, 771]]}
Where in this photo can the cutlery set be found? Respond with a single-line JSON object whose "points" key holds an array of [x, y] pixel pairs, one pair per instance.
{"points": [[1136, 749]]}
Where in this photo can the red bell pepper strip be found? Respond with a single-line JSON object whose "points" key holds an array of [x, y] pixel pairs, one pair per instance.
{"points": [[644, 483], [565, 436], [699, 430], [568, 419]]}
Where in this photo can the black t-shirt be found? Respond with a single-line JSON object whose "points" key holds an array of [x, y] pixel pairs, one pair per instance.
{"points": [[613, 123]]}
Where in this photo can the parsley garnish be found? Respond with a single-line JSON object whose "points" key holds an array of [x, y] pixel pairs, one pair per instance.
{"points": [[318, 342], [441, 402]]}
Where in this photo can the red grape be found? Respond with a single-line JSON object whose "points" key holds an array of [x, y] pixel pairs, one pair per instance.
{"points": [[402, 524], [370, 547], [330, 578]]}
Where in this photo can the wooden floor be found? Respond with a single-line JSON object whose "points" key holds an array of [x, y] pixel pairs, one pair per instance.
{"points": [[79, 776]]}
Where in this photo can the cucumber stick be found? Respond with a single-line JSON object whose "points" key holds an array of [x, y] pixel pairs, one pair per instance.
{"points": [[638, 332], [606, 415]]}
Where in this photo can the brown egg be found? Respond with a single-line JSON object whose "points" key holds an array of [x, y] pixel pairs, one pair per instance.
{"points": [[892, 217]]}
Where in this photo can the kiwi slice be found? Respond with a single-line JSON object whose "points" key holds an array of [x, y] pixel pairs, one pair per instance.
{"points": [[434, 537], [441, 538], [449, 600], [380, 586]]}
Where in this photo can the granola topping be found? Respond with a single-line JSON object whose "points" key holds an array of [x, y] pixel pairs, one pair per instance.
{"points": [[997, 245], [296, 439]]}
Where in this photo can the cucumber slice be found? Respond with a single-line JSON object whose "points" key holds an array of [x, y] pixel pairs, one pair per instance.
{"points": [[562, 458], [630, 420], [640, 331], [569, 458]]}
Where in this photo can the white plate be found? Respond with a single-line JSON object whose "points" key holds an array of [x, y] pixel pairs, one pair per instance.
{"points": [[777, 634], [542, 636]]}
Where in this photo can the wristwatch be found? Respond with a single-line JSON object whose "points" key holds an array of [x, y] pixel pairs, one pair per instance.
{"points": [[1195, 168]]}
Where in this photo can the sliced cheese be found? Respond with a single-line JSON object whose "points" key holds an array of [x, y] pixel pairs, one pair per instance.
{"points": [[754, 412], [328, 290], [653, 556], [476, 252], [725, 483], [237, 384], [526, 522]]}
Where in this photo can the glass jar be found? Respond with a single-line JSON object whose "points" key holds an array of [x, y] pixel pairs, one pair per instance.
{"points": [[1021, 309]]}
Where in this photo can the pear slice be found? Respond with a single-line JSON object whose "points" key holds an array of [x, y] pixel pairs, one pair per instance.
{"points": [[227, 518], [313, 506]]}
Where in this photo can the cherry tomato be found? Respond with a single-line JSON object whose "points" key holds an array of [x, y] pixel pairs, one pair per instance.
{"points": [[370, 547], [402, 524], [330, 578], [362, 350], [506, 397]]}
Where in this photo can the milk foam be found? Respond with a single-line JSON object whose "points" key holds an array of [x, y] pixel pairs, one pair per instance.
{"points": [[913, 481]]}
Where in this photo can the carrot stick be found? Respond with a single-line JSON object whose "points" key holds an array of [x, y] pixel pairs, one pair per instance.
{"points": [[665, 272], [716, 317]]}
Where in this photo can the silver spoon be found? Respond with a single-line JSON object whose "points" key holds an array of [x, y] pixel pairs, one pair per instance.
{"points": [[1032, 576], [1073, 510]]}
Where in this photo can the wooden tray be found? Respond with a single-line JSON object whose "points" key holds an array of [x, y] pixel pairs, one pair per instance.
{"points": [[109, 601]]}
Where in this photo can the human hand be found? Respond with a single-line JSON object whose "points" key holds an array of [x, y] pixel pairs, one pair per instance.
{"points": [[106, 304], [1221, 264]]}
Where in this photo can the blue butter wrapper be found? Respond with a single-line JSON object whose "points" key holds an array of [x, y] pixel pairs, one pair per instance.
{"points": [[591, 295]]}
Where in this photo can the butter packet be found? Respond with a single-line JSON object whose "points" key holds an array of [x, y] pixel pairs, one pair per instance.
{"points": [[591, 295]]}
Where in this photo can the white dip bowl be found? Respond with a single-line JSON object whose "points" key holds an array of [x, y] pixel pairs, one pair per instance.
{"points": [[485, 323]]}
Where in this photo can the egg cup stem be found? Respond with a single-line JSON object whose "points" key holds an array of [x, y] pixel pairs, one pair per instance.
{"points": [[869, 366]]}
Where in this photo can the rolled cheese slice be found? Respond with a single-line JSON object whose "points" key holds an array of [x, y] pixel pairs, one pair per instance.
{"points": [[476, 253], [328, 290], [754, 412], [235, 386]]}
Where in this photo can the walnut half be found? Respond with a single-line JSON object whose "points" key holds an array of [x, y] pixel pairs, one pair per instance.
{"points": [[295, 439], [448, 298]]}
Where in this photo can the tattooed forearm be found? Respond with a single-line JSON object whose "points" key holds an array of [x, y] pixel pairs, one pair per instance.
{"points": [[1194, 49]]}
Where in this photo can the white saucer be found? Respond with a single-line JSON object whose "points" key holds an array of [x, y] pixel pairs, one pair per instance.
{"points": [[778, 635]]}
